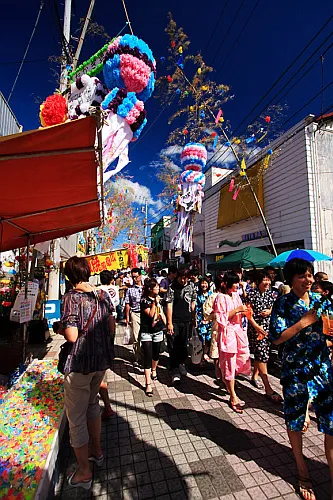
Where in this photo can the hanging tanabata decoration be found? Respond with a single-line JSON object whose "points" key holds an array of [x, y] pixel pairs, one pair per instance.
{"points": [[129, 64], [130, 71], [53, 110], [125, 118], [85, 92], [193, 160]]}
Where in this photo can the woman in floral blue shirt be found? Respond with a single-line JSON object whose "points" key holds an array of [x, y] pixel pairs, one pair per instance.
{"points": [[306, 370], [204, 327]]}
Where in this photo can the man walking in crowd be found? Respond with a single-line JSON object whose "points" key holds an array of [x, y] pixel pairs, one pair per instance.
{"points": [[121, 289], [132, 309], [108, 285], [167, 280], [181, 300], [210, 282]]}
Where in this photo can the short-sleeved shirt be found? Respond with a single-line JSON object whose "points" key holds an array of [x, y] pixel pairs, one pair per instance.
{"points": [[181, 298], [305, 354], [93, 350], [133, 297], [146, 323], [260, 301]]}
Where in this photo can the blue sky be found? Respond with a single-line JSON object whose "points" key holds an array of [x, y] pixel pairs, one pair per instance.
{"points": [[275, 34]]}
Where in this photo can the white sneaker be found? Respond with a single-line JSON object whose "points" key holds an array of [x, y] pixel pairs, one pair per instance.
{"points": [[182, 370], [175, 377]]}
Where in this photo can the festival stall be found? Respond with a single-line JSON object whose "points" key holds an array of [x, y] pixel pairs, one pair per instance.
{"points": [[30, 212], [132, 256]]}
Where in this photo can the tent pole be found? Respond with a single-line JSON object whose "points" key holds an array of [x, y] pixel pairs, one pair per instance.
{"points": [[25, 325]]}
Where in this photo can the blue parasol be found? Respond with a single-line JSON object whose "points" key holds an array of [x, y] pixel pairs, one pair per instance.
{"points": [[309, 255]]}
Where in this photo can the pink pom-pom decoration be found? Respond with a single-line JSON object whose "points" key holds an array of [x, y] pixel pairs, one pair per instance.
{"points": [[129, 64], [194, 156]]}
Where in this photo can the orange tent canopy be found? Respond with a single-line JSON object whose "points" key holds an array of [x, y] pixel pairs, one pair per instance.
{"points": [[48, 183]]}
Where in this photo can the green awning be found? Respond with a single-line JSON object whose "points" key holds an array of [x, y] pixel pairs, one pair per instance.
{"points": [[247, 258]]}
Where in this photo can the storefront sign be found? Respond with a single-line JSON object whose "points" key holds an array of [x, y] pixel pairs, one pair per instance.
{"points": [[31, 295], [254, 236], [218, 258], [118, 259], [52, 311], [25, 311]]}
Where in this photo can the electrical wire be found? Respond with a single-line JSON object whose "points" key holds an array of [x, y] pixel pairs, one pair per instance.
{"points": [[239, 36], [286, 121], [286, 71], [64, 43], [31, 61], [228, 31], [277, 94], [26, 50], [216, 25]]}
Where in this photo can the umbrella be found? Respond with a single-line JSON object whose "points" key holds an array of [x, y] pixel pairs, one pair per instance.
{"points": [[247, 258], [309, 255]]}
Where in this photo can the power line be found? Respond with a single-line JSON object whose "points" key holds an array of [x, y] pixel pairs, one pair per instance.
{"points": [[284, 86], [26, 50], [216, 25], [239, 36], [228, 31], [5, 63], [286, 70]]}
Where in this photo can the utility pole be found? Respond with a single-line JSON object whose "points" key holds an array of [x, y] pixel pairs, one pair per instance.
{"points": [[67, 35], [53, 289], [146, 222]]}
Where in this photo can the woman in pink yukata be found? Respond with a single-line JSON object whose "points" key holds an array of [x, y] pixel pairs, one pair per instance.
{"points": [[232, 339]]}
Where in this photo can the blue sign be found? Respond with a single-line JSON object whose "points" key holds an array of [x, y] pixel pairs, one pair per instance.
{"points": [[52, 311]]}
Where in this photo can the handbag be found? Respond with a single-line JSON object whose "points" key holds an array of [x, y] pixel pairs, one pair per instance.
{"points": [[196, 348], [67, 347]]}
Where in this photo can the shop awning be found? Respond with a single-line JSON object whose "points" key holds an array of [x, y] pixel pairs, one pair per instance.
{"points": [[48, 183], [247, 258]]}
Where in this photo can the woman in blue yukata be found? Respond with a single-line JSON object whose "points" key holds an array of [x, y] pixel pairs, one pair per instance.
{"points": [[306, 369]]}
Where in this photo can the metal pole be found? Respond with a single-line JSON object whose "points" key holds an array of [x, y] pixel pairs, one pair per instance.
{"points": [[67, 34], [25, 326], [83, 34], [146, 222], [263, 218]]}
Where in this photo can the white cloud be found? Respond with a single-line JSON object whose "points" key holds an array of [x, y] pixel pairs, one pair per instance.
{"points": [[138, 193], [171, 151]]}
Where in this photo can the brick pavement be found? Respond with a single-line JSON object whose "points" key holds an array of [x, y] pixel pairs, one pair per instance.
{"points": [[186, 443]]}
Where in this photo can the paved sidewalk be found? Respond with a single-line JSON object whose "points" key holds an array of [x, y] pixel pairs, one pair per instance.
{"points": [[186, 443]]}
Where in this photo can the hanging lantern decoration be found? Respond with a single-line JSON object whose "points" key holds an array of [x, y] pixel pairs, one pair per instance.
{"points": [[178, 91], [173, 44], [202, 114], [193, 160], [192, 108]]}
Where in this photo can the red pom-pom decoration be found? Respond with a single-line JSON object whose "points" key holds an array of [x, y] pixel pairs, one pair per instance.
{"points": [[53, 110], [267, 119], [169, 78], [173, 44], [185, 131], [213, 134]]}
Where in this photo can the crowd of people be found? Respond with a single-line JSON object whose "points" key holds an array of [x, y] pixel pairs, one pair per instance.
{"points": [[234, 318]]}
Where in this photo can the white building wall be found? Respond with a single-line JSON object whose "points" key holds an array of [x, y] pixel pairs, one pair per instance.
{"points": [[286, 199], [320, 140]]}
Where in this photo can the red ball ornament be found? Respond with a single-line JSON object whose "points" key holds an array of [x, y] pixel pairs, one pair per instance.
{"points": [[169, 78], [173, 44], [185, 131], [267, 119], [213, 134]]}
